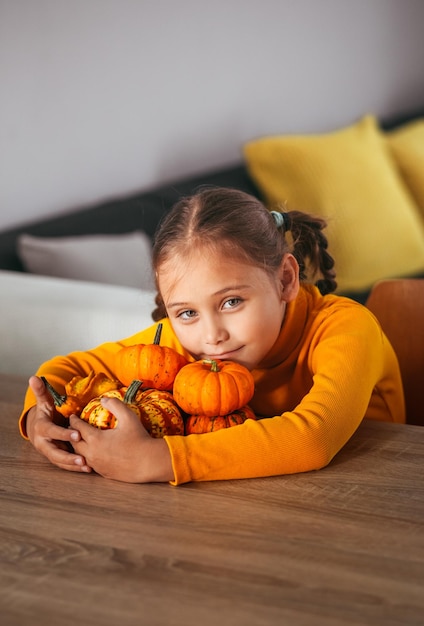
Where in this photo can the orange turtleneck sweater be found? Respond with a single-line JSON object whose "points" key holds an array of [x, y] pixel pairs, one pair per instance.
{"points": [[330, 367]]}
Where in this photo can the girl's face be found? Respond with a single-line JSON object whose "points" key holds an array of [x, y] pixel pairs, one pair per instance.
{"points": [[225, 309]]}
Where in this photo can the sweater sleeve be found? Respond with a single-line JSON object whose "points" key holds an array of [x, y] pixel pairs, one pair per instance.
{"points": [[348, 360]]}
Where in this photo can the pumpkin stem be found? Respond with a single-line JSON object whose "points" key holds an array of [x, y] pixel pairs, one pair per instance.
{"points": [[213, 364], [131, 391], [156, 340], [57, 398]]}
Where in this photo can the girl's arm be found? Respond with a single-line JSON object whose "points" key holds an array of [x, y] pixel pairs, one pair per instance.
{"points": [[47, 430], [354, 374]]}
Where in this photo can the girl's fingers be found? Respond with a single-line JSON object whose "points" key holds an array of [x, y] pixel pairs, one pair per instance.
{"points": [[58, 454], [39, 390], [126, 418], [82, 429], [53, 432]]}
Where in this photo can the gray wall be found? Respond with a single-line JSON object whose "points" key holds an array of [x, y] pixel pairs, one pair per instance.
{"points": [[103, 97]]}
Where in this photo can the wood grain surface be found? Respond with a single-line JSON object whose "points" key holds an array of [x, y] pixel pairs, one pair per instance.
{"points": [[342, 546]]}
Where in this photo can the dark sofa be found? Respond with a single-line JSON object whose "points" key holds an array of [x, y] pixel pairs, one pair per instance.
{"points": [[140, 211]]}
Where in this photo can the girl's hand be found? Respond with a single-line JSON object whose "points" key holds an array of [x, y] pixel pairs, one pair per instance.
{"points": [[126, 452], [48, 438]]}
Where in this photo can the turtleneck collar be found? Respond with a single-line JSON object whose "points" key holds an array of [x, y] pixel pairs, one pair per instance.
{"points": [[292, 329]]}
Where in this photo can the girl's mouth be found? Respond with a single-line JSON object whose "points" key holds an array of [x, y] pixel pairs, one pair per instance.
{"points": [[223, 356]]}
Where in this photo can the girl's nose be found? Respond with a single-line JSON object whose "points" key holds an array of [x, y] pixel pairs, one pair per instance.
{"points": [[214, 332]]}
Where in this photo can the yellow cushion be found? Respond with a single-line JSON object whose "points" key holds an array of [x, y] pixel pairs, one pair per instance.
{"points": [[348, 177], [407, 147]]}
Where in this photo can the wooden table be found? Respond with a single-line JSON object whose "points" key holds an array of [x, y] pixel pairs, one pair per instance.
{"points": [[343, 546]]}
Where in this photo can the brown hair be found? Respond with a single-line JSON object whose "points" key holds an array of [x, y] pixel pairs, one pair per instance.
{"points": [[240, 226]]}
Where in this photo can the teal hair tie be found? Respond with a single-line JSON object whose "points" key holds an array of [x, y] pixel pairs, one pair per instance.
{"points": [[278, 219]]}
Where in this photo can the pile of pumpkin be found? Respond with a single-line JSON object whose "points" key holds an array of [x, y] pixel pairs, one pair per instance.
{"points": [[170, 395]]}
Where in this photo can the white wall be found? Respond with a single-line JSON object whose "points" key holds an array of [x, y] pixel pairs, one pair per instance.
{"points": [[105, 97]]}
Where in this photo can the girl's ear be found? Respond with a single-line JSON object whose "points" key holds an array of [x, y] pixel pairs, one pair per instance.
{"points": [[289, 277]]}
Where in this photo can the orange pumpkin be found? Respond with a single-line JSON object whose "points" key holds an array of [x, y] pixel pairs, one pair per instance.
{"points": [[156, 410], [154, 364], [79, 391], [213, 388], [198, 424]]}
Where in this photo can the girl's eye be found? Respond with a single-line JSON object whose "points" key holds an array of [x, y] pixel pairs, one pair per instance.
{"points": [[187, 315], [231, 303]]}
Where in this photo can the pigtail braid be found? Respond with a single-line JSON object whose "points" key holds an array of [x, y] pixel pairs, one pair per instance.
{"points": [[160, 311], [310, 248]]}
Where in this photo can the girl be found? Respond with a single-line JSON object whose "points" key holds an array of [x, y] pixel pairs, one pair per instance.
{"points": [[238, 282]]}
